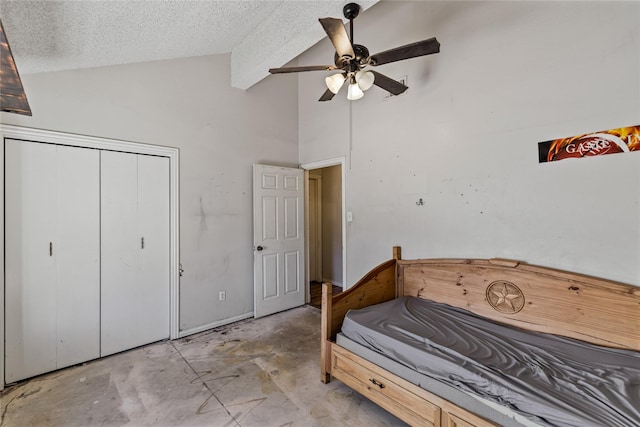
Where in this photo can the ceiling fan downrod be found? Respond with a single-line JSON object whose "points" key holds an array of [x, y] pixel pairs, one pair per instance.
{"points": [[351, 11]]}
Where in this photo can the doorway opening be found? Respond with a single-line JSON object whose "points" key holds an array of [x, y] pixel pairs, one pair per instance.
{"points": [[325, 228]]}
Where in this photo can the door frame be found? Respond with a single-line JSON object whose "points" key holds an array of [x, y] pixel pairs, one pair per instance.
{"points": [[318, 224], [75, 140], [308, 167]]}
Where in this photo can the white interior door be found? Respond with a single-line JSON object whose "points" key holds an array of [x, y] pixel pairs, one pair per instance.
{"points": [[278, 238]]}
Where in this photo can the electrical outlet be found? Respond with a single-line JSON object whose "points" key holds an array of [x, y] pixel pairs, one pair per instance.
{"points": [[222, 295]]}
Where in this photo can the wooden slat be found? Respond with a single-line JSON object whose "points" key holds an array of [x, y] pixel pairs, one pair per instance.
{"points": [[397, 252], [562, 303], [408, 402], [325, 332], [405, 400], [379, 285], [504, 262]]}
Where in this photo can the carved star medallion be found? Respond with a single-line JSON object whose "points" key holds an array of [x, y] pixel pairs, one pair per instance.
{"points": [[505, 297]]}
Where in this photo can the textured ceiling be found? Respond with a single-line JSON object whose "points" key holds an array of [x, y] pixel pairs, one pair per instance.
{"points": [[260, 34]]}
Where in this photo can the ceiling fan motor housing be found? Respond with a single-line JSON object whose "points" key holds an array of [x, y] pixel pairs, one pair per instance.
{"points": [[346, 63], [351, 10]]}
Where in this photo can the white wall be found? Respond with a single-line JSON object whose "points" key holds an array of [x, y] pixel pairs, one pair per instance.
{"points": [[220, 131], [464, 136]]}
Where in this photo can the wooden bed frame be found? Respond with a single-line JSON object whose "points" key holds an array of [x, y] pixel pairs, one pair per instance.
{"points": [[529, 297]]}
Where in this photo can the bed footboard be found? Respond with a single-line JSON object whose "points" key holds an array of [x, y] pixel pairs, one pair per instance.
{"points": [[379, 285]]}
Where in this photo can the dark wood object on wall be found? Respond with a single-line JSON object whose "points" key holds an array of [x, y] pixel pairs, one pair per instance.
{"points": [[12, 96]]}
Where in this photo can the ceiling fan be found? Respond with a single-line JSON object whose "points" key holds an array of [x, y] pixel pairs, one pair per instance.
{"points": [[352, 59]]}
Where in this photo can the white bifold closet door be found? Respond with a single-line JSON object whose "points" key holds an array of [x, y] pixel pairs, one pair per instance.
{"points": [[52, 257], [135, 250]]}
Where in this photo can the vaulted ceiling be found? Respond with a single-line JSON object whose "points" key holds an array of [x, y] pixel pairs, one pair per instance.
{"points": [[260, 34]]}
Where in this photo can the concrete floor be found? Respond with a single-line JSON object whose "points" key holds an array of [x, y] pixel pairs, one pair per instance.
{"points": [[258, 372]]}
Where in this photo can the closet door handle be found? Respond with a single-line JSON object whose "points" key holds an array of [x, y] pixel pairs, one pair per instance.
{"points": [[50, 248], [142, 243]]}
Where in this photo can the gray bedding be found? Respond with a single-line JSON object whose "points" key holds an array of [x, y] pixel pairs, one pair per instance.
{"points": [[552, 380], [499, 415]]}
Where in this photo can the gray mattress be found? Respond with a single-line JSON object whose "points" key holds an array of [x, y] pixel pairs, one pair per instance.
{"points": [[500, 415], [551, 380]]}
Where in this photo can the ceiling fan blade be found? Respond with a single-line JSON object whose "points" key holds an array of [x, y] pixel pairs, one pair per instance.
{"points": [[388, 84], [327, 96], [421, 48], [338, 35], [299, 69]]}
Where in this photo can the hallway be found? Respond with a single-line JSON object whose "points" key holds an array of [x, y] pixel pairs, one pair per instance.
{"points": [[316, 293]]}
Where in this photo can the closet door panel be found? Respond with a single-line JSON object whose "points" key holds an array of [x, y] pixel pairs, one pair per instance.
{"points": [[120, 243], [153, 226], [30, 268], [78, 255]]}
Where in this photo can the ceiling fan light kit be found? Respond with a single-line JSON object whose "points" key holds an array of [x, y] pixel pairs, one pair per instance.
{"points": [[352, 59], [335, 82], [354, 92], [365, 79]]}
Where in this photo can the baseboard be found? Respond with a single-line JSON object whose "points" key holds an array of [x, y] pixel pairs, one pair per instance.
{"points": [[186, 332]]}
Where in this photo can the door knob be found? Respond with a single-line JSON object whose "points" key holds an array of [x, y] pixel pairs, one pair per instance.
{"points": [[259, 248]]}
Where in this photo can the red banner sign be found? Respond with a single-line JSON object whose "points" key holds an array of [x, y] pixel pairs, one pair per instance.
{"points": [[623, 140]]}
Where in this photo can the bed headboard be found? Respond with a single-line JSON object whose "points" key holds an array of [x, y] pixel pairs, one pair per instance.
{"points": [[531, 297]]}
